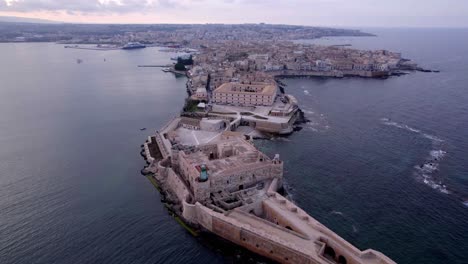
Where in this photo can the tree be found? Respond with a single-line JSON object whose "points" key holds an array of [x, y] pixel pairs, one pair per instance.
{"points": [[188, 61], [179, 67]]}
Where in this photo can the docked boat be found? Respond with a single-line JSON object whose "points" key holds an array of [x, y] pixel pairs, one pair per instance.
{"points": [[133, 45]]}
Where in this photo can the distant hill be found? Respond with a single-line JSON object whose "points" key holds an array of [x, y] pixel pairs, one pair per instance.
{"points": [[13, 19]]}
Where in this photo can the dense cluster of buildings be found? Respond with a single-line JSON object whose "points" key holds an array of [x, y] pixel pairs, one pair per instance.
{"points": [[252, 61], [172, 34], [238, 79]]}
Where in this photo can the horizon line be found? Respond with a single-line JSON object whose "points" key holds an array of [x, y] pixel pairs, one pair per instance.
{"points": [[56, 22]]}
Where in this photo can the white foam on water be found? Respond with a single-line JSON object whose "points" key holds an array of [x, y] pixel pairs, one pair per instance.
{"points": [[388, 122], [424, 172], [435, 185], [433, 138], [336, 212], [306, 92], [438, 154], [281, 139], [317, 122], [308, 112], [402, 126], [465, 203], [355, 230], [427, 167]]}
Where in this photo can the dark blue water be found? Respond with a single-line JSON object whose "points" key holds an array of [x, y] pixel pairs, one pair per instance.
{"points": [[70, 189], [356, 166]]}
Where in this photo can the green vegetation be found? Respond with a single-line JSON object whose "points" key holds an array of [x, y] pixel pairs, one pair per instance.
{"points": [[179, 67], [191, 105], [181, 63], [188, 61]]}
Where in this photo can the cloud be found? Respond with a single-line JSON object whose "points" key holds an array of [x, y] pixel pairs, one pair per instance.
{"points": [[395, 13], [86, 6]]}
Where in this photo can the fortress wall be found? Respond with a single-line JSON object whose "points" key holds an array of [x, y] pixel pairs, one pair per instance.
{"points": [[176, 185], [274, 185], [204, 216], [226, 230], [234, 232], [247, 176], [271, 127], [162, 171], [271, 249], [280, 219], [161, 146], [147, 152], [189, 212]]}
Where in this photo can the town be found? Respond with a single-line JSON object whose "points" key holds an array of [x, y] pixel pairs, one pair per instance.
{"points": [[205, 162], [241, 80]]}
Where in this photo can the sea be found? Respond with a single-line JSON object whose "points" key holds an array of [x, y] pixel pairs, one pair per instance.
{"points": [[382, 162]]}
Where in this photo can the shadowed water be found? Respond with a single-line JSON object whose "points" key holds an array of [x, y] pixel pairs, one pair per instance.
{"points": [[70, 188], [384, 162]]}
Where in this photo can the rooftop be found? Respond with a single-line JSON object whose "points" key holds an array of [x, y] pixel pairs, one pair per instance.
{"points": [[233, 153], [240, 88]]}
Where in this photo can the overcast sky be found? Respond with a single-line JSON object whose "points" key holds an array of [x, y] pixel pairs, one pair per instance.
{"points": [[349, 13]]}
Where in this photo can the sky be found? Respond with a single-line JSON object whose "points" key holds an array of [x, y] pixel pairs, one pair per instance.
{"points": [[343, 13]]}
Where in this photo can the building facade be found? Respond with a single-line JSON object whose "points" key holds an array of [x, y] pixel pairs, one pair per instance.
{"points": [[245, 94]]}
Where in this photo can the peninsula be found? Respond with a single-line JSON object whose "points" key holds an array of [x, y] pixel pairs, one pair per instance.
{"points": [[205, 162]]}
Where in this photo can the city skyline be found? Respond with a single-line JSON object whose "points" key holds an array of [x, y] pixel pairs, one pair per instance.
{"points": [[333, 13]]}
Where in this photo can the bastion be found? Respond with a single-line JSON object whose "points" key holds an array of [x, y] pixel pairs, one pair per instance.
{"points": [[226, 186]]}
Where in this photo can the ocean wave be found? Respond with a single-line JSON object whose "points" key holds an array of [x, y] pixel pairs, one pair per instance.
{"points": [[439, 186], [317, 122], [438, 154], [281, 139], [389, 122], [401, 126], [427, 168], [306, 92], [336, 212], [310, 112], [426, 172], [431, 137]]}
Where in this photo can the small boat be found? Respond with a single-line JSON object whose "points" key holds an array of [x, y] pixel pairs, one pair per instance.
{"points": [[143, 129], [133, 45]]}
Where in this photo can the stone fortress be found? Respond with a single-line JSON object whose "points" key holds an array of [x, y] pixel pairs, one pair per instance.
{"points": [[219, 182]]}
